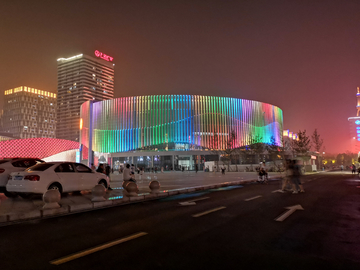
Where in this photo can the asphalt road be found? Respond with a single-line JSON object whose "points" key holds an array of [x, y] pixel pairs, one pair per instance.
{"points": [[226, 228]]}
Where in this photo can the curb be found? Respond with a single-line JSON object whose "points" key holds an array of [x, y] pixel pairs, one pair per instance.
{"points": [[79, 208]]}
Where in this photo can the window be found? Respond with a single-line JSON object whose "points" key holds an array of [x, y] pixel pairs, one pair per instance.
{"points": [[25, 163], [82, 168], [41, 167], [63, 168]]}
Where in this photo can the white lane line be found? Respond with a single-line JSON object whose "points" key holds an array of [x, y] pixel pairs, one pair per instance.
{"points": [[253, 198], [198, 199], [209, 211], [278, 190], [95, 249], [291, 210]]}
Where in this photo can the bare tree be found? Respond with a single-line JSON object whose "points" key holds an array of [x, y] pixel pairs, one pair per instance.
{"points": [[317, 141], [229, 152], [255, 148], [302, 145], [276, 154]]}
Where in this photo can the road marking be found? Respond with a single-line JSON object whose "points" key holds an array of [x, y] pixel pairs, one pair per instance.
{"points": [[195, 200], [187, 203], [291, 209], [95, 249], [278, 190], [253, 198], [209, 211]]}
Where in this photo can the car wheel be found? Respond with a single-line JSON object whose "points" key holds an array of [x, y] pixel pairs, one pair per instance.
{"points": [[103, 182], [55, 187], [10, 194]]}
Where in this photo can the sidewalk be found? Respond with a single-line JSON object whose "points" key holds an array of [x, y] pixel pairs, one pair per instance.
{"points": [[171, 183]]}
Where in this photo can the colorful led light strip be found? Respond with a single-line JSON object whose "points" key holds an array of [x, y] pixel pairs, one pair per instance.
{"points": [[134, 123]]}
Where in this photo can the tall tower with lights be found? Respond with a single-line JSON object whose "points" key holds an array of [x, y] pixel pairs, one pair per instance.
{"points": [[355, 126], [81, 78]]}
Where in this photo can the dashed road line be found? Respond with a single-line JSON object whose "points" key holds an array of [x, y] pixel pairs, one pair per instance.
{"points": [[95, 249], [209, 211], [252, 198], [195, 200]]}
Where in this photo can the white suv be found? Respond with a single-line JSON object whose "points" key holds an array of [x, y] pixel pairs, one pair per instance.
{"points": [[8, 166]]}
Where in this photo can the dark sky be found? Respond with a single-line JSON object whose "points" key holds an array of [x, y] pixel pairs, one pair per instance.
{"points": [[302, 56]]}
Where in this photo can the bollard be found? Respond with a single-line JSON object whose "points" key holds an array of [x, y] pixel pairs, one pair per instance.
{"points": [[51, 198], [154, 187], [131, 189], [98, 193]]}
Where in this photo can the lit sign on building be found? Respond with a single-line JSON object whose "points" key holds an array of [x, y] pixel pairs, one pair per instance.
{"points": [[357, 122], [103, 56]]}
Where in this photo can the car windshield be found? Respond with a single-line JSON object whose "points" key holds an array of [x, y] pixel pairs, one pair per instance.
{"points": [[40, 167]]}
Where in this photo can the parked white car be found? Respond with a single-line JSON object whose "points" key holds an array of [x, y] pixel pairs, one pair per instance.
{"points": [[63, 176], [8, 166]]}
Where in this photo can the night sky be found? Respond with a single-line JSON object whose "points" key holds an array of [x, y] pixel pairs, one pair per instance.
{"points": [[302, 56]]}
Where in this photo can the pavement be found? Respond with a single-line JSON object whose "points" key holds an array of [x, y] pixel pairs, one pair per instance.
{"points": [[171, 183]]}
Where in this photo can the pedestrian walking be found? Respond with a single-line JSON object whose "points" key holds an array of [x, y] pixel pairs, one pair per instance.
{"points": [[287, 181], [107, 172], [100, 169], [93, 167], [127, 174], [298, 187], [353, 169]]}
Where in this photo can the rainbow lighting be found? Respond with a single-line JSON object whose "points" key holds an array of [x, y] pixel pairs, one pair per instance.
{"points": [[169, 122]]}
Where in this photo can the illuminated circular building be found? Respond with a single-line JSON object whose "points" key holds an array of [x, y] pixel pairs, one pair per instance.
{"points": [[173, 131]]}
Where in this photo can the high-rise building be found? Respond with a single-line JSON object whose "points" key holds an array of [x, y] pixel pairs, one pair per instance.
{"points": [[81, 78], [355, 126], [29, 113]]}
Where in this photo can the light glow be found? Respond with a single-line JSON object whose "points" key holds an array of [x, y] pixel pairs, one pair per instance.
{"points": [[103, 56], [29, 90], [70, 58], [184, 121]]}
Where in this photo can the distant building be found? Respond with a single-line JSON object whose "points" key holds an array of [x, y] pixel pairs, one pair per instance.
{"points": [[354, 124], [5, 136], [81, 78], [29, 113]]}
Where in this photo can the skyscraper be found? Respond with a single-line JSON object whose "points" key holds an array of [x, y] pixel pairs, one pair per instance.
{"points": [[81, 78], [29, 113], [355, 126]]}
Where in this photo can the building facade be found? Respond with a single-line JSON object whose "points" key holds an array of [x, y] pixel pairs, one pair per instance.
{"points": [[176, 127], [81, 78], [29, 113]]}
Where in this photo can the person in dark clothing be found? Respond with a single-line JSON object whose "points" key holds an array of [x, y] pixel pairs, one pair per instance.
{"points": [[100, 169], [107, 170]]}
